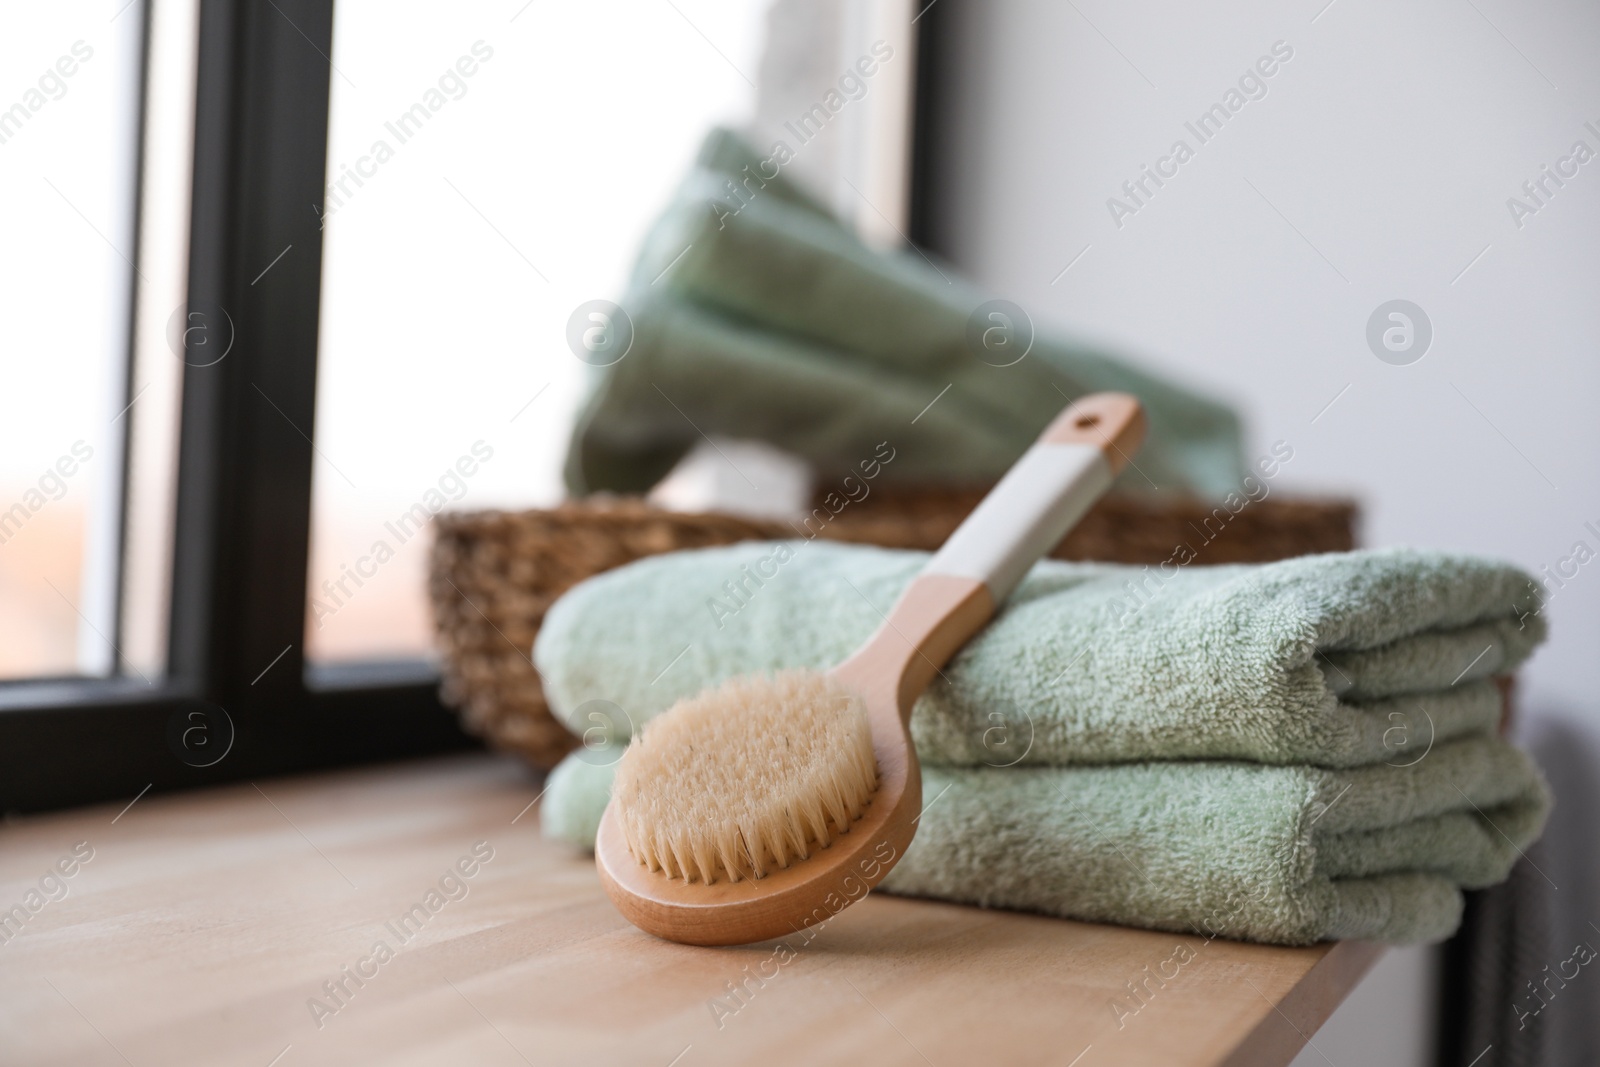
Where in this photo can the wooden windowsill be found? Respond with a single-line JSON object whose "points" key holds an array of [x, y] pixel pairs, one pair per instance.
{"points": [[206, 924]]}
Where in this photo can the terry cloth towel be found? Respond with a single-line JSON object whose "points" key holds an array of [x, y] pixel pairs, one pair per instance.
{"points": [[1287, 855], [1336, 660], [1358, 683], [763, 317]]}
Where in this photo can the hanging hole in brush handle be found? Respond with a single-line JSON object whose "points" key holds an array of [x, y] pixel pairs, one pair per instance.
{"points": [[1044, 495]]}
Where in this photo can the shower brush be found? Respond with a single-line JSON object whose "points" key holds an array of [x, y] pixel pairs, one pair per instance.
{"points": [[769, 803]]}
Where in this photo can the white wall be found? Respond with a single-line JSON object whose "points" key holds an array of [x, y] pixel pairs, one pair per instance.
{"points": [[1377, 166], [1387, 1021], [1391, 142]]}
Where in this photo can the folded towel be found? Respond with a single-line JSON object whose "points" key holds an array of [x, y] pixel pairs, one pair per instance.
{"points": [[1358, 684], [764, 317], [1336, 660], [1287, 855]]}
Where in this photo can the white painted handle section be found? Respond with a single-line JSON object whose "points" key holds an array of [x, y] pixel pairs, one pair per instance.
{"points": [[1025, 516]]}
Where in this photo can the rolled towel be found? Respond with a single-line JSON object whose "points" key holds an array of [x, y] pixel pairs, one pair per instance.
{"points": [[765, 317], [1338, 660], [1285, 855]]}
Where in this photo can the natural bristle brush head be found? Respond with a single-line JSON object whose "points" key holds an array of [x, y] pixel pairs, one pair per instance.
{"points": [[746, 778]]}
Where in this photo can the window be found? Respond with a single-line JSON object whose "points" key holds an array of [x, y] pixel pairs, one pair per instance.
{"points": [[193, 351], [231, 366], [486, 178]]}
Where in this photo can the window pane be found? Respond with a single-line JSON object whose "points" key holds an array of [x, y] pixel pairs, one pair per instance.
{"points": [[68, 128], [489, 174]]}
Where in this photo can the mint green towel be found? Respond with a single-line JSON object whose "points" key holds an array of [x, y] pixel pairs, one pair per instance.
{"points": [[1287, 855], [1357, 683], [776, 323], [1335, 660]]}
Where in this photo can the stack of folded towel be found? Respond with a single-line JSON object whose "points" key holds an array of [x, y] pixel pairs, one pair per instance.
{"points": [[756, 314], [1287, 752]]}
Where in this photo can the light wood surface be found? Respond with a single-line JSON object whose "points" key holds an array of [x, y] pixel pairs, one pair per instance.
{"points": [[205, 922]]}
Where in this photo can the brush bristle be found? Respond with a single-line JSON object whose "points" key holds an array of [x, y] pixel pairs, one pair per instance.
{"points": [[747, 777]]}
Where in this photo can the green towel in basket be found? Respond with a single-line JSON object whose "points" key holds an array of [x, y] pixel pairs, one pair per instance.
{"points": [[776, 323], [1283, 752]]}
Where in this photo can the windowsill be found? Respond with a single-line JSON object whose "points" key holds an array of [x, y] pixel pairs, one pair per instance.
{"points": [[206, 924]]}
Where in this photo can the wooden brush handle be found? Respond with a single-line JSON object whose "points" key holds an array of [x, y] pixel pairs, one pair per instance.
{"points": [[1025, 516]]}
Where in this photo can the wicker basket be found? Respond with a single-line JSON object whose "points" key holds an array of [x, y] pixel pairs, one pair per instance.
{"points": [[494, 574]]}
